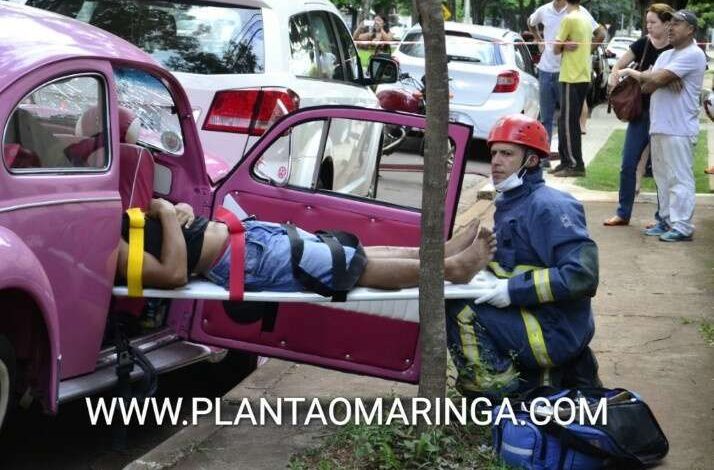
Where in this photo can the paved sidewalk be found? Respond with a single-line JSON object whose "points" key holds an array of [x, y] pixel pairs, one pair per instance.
{"points": [[650, 303]]}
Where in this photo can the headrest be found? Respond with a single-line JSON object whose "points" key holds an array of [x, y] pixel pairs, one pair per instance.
{"points": [[90, 124], [136, 176]]}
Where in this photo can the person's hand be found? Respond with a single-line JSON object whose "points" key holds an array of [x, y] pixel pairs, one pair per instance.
{"points": [[570, 46], [494, 292], [161, 207], [675, 85], [184, 214], [626, 72]]}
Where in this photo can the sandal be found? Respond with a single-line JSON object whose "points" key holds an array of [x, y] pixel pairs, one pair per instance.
{"points": [[615, 221]]}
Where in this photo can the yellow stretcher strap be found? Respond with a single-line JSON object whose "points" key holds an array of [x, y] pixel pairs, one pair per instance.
{"points": [[136, 252]]}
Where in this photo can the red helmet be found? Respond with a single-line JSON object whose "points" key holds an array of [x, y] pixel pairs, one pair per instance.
{"points": [[520, 129]]}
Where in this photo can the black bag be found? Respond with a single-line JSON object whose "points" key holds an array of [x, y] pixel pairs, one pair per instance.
{"points": [[626, 98], [344, 277], [631, 438]]}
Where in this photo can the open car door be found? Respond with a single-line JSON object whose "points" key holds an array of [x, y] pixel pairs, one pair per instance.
{"points": [[377, 338]]}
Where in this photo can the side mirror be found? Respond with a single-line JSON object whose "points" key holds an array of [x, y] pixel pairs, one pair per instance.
{"points": [[382, 70]]}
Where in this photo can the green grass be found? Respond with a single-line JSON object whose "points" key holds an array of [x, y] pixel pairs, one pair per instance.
{"points": [[604, 170], [397, 447], [706, 329]]}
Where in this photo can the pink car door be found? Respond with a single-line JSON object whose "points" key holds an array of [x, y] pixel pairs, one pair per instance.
{"points": [[58, 187], [375, 338]]}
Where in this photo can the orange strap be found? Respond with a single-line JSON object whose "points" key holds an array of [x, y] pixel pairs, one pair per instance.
{"points": [[237, 239]]}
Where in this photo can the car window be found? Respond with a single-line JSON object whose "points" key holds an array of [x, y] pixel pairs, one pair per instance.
{"points": [[459, 48], [60, 126], [303, 51], [147, 97], [329, 52], [523, 58], [195, 38], [351, 64], [314, 52]]}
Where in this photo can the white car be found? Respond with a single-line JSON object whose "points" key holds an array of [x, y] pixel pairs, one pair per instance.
{"points": [[245, 64], [491, 74], [617, 46]]}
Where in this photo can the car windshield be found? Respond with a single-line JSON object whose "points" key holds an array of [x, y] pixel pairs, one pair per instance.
{"points": [[458, 48], [205, 39]]}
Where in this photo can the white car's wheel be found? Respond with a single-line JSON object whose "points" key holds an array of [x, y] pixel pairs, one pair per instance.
{"points": [[7, 377]]}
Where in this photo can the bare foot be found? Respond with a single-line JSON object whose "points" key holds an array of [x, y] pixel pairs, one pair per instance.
{"points": [[462, 267], [462, 239]]}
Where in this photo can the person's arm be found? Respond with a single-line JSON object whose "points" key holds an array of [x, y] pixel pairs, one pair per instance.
{"points": [[568, 254], [625, 59], [533, 22], [561, 38], [651, 81], [170, 270]]}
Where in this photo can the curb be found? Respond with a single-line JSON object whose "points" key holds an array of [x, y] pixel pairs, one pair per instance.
{"points": [[176, 448]]}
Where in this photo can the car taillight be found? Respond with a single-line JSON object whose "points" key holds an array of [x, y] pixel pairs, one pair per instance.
{"points": [[249, 111], [506, 82]]}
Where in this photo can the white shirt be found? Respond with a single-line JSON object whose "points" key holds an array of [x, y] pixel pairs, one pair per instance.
{"points": [[550, 18], [677, 113]]}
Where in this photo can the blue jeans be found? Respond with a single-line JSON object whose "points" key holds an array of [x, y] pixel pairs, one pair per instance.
{"points": [[268, 259], [636, 139], [549, 99]]}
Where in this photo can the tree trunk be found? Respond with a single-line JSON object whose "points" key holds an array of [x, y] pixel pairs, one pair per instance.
{"points": [[478, 10], [364, 12], [432, 333], [415, 13]]}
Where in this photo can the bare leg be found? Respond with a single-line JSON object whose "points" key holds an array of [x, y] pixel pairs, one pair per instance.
{"points": [[456, 244], [392, 252], [584, 117], [398, 273], [462, 267], [462, 240]]}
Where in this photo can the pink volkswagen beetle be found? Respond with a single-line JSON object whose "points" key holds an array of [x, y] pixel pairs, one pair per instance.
{"points": [[89, 125]]}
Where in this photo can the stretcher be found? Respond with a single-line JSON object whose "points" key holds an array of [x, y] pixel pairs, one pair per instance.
{"points": [[200, 289]]}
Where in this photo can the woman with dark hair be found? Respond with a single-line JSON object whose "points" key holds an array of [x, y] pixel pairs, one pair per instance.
{"points": [[646, 50]]}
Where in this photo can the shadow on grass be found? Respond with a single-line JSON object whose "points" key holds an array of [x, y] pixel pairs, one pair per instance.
{"points": [[604, 170]]}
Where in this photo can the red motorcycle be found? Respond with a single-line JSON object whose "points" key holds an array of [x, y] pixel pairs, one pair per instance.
{"points": [[407, 95]]}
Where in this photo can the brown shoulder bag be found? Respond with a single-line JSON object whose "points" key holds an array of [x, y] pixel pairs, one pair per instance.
{"points": [[626, 98]]}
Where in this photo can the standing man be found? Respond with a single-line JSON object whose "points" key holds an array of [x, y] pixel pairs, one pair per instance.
{"points": [[531, 321], [573, 43], [550, 16], [674, 127]]}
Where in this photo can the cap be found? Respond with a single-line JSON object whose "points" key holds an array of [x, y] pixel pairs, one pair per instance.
{"points": [[685, 15]]}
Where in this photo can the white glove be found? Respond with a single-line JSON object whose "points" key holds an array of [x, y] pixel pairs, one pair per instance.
{"points": [[492, 292], [483, 275]]}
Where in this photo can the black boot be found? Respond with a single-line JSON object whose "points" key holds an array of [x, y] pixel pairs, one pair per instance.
{"points": [[581, 371]]}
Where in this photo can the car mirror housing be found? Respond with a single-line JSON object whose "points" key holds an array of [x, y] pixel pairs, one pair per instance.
{"points": [[382, 70]]}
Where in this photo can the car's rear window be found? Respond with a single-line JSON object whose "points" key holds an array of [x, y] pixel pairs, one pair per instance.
{"points": [[184, 37], [459, 48]]}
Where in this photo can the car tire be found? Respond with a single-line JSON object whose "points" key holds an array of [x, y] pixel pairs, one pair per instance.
{"points": [[7, 379]]}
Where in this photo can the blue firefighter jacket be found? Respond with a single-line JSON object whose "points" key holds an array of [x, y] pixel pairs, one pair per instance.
{"points": [[552, 265]]}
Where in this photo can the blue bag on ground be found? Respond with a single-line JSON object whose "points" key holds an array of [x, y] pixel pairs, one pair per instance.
{"points": [[630, 438]]}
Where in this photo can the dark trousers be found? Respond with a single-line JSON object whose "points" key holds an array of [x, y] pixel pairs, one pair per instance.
{"points": [[572, 97]]}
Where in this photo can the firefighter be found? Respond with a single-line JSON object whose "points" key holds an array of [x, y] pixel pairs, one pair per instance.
{"points": [[531, 321]]}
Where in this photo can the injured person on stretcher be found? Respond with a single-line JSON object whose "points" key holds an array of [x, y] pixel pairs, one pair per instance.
{"points": [[178, 245]]}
